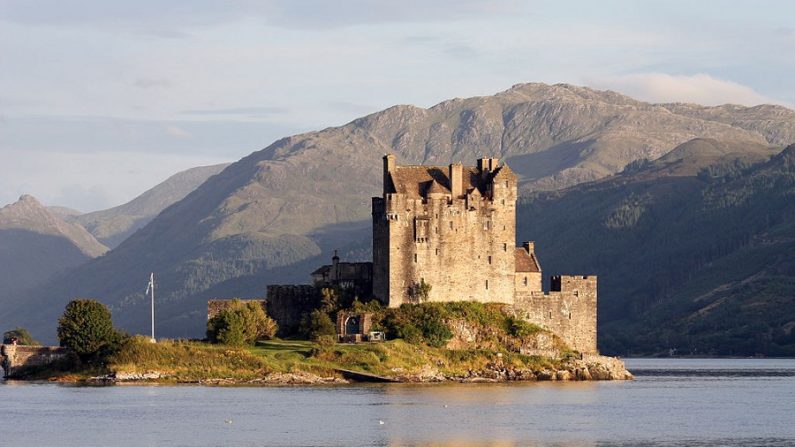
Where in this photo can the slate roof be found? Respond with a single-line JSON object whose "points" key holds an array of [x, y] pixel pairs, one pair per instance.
{"points": [[416, 181], [526, 262]]}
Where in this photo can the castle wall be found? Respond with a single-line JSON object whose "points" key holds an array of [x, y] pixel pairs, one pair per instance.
{"points": [[526, 282], [287, 304], [568, 310], [15, 359]]}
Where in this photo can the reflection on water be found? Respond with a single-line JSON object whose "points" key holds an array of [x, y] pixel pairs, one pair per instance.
{"points": [[673, 403]]}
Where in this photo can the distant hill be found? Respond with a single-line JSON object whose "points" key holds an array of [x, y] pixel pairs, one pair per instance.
{"points": [[274, 215], [694, 252], [113, 225], [35, 245]]}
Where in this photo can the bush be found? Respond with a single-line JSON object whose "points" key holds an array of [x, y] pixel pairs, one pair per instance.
{"points": [[418, 323], [520, 328], [419, 292], [21, 335], [317, 324], [240, 323], [86, 328]]}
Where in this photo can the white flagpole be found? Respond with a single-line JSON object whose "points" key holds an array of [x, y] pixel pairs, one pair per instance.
{"points": [[152, 288]]}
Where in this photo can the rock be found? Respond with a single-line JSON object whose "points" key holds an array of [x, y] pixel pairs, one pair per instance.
{"points": [[563, 375]]}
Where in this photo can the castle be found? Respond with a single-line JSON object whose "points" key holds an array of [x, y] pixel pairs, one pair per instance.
{"points": [[452, 228]]}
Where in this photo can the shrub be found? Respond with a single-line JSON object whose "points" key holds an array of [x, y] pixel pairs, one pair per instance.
{"points": [[21, 335], [520, 328], [86, 327], [240, 323], [317, 324], [418, 323], [419, 292]]}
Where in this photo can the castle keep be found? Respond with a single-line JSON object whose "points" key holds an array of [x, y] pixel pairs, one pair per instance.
{"points": [[454, 228]]}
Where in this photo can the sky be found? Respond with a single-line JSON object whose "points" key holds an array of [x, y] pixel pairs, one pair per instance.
{"points": [[101, 100]]}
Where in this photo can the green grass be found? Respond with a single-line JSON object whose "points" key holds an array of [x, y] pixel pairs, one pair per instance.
{"points": [[185, 361]]}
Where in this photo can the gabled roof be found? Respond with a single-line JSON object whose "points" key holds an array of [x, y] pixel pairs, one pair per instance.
{"points": [[526, 262]]}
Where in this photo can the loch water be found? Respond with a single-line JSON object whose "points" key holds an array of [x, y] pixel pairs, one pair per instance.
{"points": [[672, 402]]}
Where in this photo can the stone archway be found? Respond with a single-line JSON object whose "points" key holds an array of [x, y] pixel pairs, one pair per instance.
{"points": [[352, 325]]}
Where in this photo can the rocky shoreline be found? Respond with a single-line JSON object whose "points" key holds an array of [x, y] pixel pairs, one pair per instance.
{"points": [[588, 368]]}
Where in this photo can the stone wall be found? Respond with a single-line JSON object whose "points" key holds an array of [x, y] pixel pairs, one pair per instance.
{"points": [[16, 359], [568, 310], [463, 246], [287, 304]]}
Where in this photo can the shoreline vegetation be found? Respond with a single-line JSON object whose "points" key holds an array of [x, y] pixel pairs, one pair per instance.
{"points": [[302, 362], [429, 342]]}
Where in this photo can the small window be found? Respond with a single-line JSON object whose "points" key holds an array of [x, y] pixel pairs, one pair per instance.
{"points": [[415, 257], [525, 280], [550, 315], [489, 260], [451, 224], [506, 183], [487, 284], [437, 252], [576, 293], [503, 201], [569, 315], [504, 247]]}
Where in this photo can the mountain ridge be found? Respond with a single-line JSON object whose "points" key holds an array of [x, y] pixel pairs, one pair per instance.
{"points": [[271, 215]]}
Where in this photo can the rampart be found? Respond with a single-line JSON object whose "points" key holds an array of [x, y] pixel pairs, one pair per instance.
{"points": [[16, 359], [568, 310], [287, 304]]}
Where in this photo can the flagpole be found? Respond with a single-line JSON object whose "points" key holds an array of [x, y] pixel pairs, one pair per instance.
{"points": [[152, 287]]}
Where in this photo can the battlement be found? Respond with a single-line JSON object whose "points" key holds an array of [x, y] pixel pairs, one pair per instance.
{"points": [[566, 283]]}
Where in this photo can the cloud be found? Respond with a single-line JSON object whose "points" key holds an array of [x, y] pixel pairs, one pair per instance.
{"points": [[177, 132], [246, 111], [150, 83], [699, 88], [165, 19]]}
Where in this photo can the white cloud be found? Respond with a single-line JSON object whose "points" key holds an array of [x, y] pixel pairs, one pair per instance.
{"points": [[177, 132], [699, 88]]}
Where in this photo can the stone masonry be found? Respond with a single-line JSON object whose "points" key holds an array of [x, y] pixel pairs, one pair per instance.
{"points": [[454, 228], [451, 227]]}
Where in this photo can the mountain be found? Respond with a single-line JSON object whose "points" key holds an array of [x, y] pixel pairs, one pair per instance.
{"points": [[694, 251], [113, 225], [275, 215], [35, 245]]}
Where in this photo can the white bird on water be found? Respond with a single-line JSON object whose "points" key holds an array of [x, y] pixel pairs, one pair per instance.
{"points": [[380, 422], [228, 421]]}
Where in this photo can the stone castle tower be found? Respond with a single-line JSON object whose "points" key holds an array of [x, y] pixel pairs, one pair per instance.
{"points": [[454, 228]]}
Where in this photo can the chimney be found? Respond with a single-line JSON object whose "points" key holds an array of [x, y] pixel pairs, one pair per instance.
{"points": [[389, 166], [456, 180], [487, 165], [530, 247]]}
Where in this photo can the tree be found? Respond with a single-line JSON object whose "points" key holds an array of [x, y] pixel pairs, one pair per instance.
{"points": [[21, 335], [86, 327], [241, 323], [420, 292], [318, 324]]}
